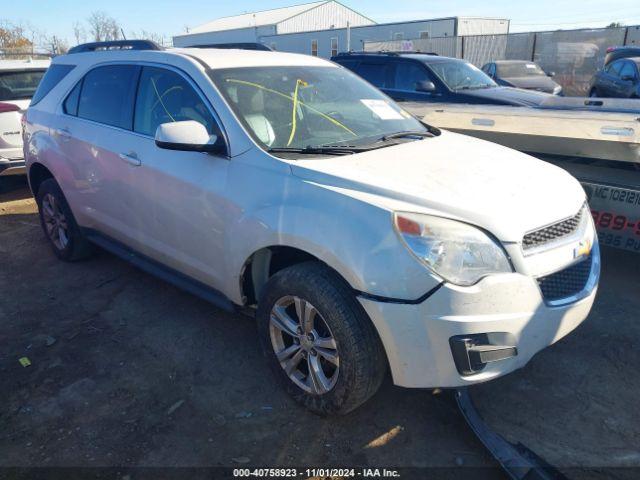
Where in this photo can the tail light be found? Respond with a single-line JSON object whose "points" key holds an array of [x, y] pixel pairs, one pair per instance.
{"points": [[8, 107]]}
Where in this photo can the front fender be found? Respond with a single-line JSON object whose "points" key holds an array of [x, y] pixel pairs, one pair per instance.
{"points": [[353, 237]]}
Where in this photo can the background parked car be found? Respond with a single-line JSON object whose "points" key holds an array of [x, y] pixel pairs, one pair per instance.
{"points": [[522, 74], [616, 53], [620, 79], [421, 77], [18, 82]]}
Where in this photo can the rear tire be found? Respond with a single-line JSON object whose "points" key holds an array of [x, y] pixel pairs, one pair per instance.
{"points": [[338, 337], [59, 225]]}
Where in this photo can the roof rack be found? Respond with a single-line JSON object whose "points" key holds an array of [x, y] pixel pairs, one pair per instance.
{"points": [[239, 45], [391, 53], [116, 45]]}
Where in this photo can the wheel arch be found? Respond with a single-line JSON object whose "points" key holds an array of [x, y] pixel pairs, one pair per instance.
{"points": [[38, 173], [265, 262]]}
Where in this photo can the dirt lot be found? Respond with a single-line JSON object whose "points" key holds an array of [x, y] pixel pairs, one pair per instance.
{"points": [[127, 370]]}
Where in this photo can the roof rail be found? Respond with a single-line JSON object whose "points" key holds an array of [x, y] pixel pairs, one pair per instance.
{"points": [[239, 46], [116, 45], [391, 53]]}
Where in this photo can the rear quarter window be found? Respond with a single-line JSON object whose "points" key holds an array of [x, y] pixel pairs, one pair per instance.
{"points": [[52, 77]]}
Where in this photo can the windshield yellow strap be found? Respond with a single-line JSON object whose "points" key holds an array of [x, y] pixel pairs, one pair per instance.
{"points": [[294, 110], [266, 89]]}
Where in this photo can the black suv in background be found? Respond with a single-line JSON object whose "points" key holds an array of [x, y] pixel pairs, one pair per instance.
{"points": [[619, 79], [421, 77]]}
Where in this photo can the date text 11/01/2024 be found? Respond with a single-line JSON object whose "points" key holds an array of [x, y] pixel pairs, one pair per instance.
{"points": [[316, 472]]}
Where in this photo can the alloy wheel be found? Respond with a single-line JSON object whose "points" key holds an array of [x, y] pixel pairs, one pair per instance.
{"points": [[304, 345], [55, 222]]}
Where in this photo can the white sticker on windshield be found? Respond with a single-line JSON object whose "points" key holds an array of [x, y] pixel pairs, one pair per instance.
{"points": [[382, 109], [531, 65]]}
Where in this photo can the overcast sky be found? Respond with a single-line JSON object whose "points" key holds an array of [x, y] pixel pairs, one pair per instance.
{"points": [[171, 17]]}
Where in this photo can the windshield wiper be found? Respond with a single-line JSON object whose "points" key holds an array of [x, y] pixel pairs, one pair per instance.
{"points": [[315, 150], [407, 133], [475, 87]]}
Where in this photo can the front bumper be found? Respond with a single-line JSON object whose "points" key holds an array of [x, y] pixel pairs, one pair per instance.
{"points": [[509, 308], [12, 166]]}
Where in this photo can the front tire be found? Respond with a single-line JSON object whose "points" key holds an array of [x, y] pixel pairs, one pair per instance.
{"points": [[59, 225], [318, 340]]}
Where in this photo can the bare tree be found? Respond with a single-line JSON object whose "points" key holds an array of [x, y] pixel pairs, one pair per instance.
{"points": [[54, 45], [103, 27], [79, 32], [145, 35]]}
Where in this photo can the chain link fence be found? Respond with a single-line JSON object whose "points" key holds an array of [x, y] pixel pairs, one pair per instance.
{"points": [[573, 55], [23, 54]]}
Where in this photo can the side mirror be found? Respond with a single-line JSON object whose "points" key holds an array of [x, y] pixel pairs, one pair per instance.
{"points": [[187, 136], [551, 74], [425, 86]]}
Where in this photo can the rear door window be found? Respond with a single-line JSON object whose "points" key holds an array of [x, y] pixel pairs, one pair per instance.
{"points": [[165, 96], [107, 95], [41, 83]]}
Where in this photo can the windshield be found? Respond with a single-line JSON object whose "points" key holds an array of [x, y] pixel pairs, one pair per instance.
{"points": [[461, 75], [19, 85], [301, 106], [507, 70]]}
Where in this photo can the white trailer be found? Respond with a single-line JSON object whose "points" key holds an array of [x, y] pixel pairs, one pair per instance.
{"points": [[596, 140]]}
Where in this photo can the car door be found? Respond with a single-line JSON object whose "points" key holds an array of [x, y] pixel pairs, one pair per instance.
{"points": [[179, 203], [95, 138], [406, 76]]}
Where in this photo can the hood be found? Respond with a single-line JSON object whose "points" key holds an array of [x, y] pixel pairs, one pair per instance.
{"points": [[533, 82], [502, 190], [506, 96]]}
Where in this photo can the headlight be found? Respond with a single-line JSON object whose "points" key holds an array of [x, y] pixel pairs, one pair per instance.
{"points": [[557, 90], [457, 252]]}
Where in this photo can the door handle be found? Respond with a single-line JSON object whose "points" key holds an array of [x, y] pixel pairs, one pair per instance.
{"points": [[64, 134], [131, 158]]}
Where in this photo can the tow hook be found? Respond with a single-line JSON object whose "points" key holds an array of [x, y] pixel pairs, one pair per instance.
{"points": [[518, 462]]}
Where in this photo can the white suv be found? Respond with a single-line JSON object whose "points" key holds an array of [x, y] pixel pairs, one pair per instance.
{"points": [[364, 239], [18, 82]]}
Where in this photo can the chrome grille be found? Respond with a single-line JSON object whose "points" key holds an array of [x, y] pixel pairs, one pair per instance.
{"points": [[553, 232], [567, 282]]}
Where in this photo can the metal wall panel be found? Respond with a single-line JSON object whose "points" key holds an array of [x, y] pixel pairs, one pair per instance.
{"points": [[327, 16], [482, 26], [633, 36], [228, 36], [360, 36]]}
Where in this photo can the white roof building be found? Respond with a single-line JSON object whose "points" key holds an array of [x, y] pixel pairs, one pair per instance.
{"points": [[250, 27]]}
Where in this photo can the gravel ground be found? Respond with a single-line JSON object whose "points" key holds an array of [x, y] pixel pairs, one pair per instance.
{"points": [[126, 370]]}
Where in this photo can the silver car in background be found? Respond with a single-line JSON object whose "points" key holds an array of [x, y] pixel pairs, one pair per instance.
{"points": [[19, 80]]}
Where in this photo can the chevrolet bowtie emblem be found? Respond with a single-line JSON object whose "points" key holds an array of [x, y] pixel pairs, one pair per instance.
{"points": [[583, 249]]}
